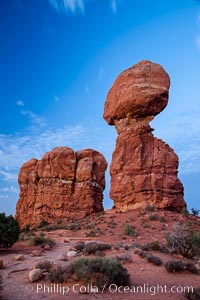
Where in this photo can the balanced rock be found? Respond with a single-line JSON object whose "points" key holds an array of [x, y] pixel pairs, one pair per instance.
{"points": [[63, 184], [144, 169]]}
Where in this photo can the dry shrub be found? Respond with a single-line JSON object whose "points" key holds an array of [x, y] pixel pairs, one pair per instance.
{"points": [[184, 240], [100, 271]]}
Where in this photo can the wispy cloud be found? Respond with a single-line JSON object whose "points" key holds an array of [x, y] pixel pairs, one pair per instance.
{"points": [[3, 196], [10, 189], [114, 6], [20, 103], [18, 148], [9, 176], [35, 141], [63, 6], [35, 119]]}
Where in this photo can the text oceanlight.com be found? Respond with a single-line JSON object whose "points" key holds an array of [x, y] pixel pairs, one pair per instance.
{"points": [[112, 288]]}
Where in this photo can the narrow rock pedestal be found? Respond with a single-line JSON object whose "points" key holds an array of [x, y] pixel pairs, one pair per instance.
{"points": [[144, 169]]}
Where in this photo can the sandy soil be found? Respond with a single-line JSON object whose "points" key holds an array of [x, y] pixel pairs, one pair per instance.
{"points": [[155, 279]]}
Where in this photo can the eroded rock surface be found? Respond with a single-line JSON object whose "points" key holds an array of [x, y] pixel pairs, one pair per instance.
{"points": [[144, 169], [63, 184]]}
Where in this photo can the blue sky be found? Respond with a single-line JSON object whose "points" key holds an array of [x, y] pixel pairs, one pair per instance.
{"points": [[58, 60]]}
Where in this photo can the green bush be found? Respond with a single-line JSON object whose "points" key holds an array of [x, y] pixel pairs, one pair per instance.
{"points": [[125, 257], [153, 246], [42, 224], [80, 246], [184, 241], [74, 226], [141, 253], [174, 266], [154, 259], [149, 208], [153, 217], [191, 268], [100, 271], [41, 240], [93, 247], [27, 228], [26, 233], [195, 212], [25, 236], [193, 295], [9, 231], [162, 219], [178, 266], [129, 229], [45, 265], [52, 227], [57, 274]]}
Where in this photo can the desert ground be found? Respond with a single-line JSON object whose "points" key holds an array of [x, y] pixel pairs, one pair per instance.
{"points": [[149, 226]]}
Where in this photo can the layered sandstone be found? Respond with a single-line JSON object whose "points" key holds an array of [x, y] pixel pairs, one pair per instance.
{"points": [[63, 184], [144, 169]]}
